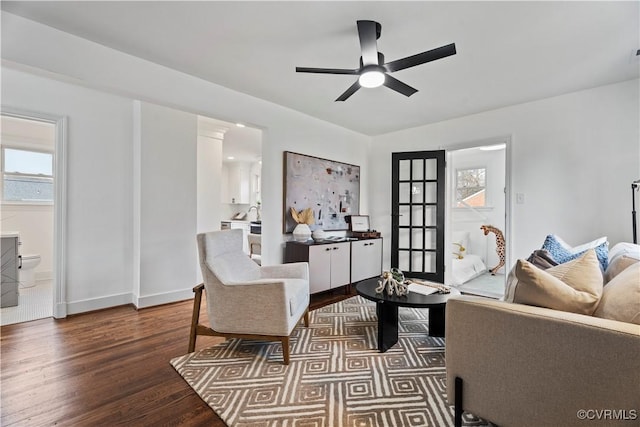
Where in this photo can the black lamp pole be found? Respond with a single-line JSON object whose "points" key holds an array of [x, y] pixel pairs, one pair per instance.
{"points": [[634, 188]]}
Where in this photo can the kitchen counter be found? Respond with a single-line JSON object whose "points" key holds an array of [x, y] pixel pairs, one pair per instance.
{"points": [[251, 226]]}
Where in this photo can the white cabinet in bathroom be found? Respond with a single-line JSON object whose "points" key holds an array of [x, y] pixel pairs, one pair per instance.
{"points": [[10, 279]]}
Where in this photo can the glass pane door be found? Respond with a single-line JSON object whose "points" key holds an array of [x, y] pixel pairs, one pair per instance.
{"points": [[417, 240]]}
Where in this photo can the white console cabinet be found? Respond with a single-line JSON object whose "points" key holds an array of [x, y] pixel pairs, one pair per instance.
{"points": [[336, 264], [366, 259], [328, 266]]}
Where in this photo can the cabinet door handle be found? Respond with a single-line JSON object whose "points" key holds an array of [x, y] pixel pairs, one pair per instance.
{"points": [[335, 248], [328, 249]]}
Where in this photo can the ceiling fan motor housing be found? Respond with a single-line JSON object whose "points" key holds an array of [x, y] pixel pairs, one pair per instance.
{"points": [[380, 61]]}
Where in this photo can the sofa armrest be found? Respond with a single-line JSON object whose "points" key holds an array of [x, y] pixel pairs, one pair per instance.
{"points": [[523, 365]]}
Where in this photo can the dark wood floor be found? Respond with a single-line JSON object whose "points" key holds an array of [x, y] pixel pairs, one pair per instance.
{"points": [[109, 367]]}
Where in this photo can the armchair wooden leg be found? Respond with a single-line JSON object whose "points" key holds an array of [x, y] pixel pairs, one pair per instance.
{"points": [[285, 350], [306, 317], [195, 317]]}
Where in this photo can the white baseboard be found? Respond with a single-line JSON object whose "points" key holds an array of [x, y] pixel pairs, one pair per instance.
{"points": [[93, 304], [83, 306], [163, 298], [60, 310]]}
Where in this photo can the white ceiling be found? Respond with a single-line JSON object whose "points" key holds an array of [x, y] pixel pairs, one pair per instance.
{"points": [[508, 52], [244, 144]]}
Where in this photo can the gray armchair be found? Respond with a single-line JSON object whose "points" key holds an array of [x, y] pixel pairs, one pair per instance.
{"points": [[245, 300]]}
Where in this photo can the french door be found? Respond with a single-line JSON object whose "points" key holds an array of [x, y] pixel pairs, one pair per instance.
{"points": [[417, 224]]}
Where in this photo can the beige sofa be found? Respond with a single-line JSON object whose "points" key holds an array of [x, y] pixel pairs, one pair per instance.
{"points": [[521, 365]]}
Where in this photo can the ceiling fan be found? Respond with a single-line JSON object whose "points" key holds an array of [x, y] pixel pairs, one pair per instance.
{"points": [[373, 72]]}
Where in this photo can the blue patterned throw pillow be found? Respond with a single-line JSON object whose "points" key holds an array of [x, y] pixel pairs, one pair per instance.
{"points": [[561, 252]]}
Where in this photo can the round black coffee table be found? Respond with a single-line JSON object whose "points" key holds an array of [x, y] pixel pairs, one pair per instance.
{"points": [[387, 310]]}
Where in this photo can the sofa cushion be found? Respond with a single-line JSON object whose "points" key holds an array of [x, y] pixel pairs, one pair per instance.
{"points": [[541, 258], [631, 250], [621, 256], [575, 286], [621, 297], [562, 252], [617, 265]]}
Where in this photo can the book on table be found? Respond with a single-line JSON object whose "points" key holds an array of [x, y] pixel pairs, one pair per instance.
{"points": [[421, 289]]}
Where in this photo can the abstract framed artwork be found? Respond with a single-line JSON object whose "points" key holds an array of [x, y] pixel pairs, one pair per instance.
{"points": [[331, 189]]}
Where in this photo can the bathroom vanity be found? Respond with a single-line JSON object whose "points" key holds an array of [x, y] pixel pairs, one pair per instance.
{"points": [[10, 264]]}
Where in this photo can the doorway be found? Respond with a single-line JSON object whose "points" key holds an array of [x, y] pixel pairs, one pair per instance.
{"points": [[229, 171], [31, 191], [478, 217]]}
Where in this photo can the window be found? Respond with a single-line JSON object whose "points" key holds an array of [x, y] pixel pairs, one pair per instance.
{"points": [[27, 175], [471, 187]]}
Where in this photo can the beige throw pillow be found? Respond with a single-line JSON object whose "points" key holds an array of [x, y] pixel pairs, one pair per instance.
{"points": [[621, 297], [617, 266], [575, 286]]}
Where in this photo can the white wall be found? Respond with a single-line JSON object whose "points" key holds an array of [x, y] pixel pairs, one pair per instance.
{"points": [[99, 176], [106, 217], [168, 204], [209, 174], [573, 157]]}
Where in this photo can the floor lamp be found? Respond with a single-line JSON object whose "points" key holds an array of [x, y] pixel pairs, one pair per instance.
{"points": [[634, 188]]}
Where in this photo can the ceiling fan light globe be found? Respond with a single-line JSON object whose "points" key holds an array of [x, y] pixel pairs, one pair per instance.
{"points": [[371, 79]]}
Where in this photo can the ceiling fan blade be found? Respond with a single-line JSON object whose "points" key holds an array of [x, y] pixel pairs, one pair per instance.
{"points": [[325, 70], [368, 46], [398, 86], [347, 93], [421, 58]]}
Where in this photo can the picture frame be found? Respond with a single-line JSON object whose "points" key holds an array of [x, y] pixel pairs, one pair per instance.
{"points": [[360, 223], [330, 188]]}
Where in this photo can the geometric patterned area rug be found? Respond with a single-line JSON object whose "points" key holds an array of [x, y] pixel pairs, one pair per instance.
{"points": [[336, 376]]}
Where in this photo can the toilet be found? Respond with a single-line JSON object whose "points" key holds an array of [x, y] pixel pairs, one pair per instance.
{"points": [[27, 273]]}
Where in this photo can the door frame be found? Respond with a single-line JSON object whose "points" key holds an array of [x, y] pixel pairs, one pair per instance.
{"points": [[59, 202], [440, 155], [508, 199]]}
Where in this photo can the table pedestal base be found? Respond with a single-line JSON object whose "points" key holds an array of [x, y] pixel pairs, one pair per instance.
{"points": [[388, 324]]}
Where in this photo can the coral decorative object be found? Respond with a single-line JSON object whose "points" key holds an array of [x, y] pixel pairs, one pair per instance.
{"points": [[393, 282]]}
